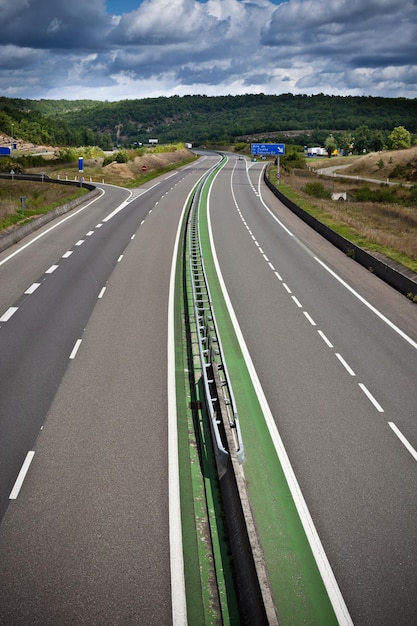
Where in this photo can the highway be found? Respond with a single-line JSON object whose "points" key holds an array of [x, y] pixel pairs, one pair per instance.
{"points": [[83, 369], [335, 351], [83, 344]]}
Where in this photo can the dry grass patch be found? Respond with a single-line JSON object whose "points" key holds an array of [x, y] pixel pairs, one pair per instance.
{"points": [[39, 198], [390, 229], [379, 165]]}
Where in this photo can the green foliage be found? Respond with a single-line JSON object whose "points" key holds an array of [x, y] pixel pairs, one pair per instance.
{"points": [[67, 155], [317, 190], [7, 164], [346, 141], [293, 158], [399, 171], [330, 145], [70, 154], [121, 156], [384, 193], [207, 120], [405, 171], [399, 139], [43, 122], [362, 139]]}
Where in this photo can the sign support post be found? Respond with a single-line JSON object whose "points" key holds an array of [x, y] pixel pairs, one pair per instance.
{"points": [[269, 149]]}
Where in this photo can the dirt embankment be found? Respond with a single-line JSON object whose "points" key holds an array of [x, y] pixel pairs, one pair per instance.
{"points": [[379, 165], [153, 161]]}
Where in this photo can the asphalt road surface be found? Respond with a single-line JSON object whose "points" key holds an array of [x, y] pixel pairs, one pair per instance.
{"points": [[335, 350], [83, 385], [83, 344]]}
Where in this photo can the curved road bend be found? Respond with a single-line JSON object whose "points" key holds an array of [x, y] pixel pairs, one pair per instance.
{"points": [[84, 386], [340, 381]]}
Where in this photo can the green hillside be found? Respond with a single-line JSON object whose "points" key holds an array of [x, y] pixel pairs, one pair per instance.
{"points": [[202, 119]]}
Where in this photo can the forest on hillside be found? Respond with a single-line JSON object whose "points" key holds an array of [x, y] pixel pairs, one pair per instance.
{"points": [[201, 120]]}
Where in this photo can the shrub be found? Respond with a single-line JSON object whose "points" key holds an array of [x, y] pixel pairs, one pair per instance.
{"points": [[382, 194], [399, 171], [7, 164], [317, 190], [120, 157]]}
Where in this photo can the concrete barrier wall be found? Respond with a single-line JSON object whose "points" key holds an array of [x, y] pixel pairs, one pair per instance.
{"points": [[390, 275]]}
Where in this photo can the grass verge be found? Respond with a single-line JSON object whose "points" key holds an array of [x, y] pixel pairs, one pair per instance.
{"points": [[389, 229], [39, 198]]}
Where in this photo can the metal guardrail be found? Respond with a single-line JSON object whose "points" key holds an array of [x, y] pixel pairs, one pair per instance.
{"points": [[210, 347], [251, 582]]}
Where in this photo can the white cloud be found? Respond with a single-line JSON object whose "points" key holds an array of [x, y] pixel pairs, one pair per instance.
{"points": [[167, 47]]}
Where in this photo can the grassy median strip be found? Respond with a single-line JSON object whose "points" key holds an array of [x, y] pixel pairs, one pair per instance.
{"points": [[298, 589]]}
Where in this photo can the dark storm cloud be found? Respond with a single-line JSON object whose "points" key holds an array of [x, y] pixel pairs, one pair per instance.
{"points": [[44, 24], [75, 49]]}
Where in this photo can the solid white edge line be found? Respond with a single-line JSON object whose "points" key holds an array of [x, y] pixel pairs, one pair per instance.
{"points": [[329, 580], [21, 476], [75, 349], [8, 314], [48, 230], [259, 193], [403, 440], [367, 304], [178, 595], [371, 398]]}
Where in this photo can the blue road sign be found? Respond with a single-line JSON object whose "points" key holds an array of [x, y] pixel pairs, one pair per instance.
{"points": [[268, 149]]}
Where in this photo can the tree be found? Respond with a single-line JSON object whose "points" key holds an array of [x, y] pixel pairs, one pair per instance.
{"points": [[330, 145], [346, 142], [399, 139], [377, 141], [362, 139]]}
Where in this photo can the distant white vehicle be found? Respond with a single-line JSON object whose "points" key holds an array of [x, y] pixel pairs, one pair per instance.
{"points": [[316, 151]]}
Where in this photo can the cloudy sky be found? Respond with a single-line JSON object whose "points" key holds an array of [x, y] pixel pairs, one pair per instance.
{"points": [[124, 49]]}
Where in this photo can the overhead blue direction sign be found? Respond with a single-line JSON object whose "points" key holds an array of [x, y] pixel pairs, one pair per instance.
{"points": [[268, 149]]}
